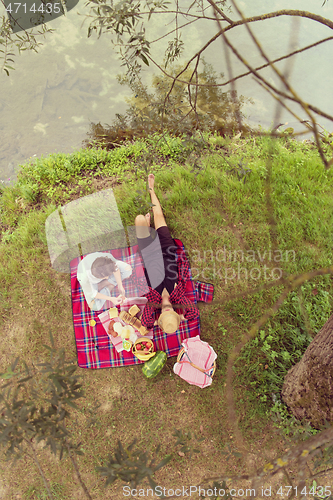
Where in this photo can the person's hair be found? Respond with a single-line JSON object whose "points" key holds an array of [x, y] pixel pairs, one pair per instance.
{"points": [[102, 266]]}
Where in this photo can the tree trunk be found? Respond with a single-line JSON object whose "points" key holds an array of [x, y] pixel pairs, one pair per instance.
{"points": [[308, 385]]}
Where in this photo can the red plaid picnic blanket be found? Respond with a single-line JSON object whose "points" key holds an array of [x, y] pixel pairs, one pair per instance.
{"points": [[93, 345]]}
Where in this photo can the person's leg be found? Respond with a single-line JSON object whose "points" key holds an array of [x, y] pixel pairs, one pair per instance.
{"points": [[144, 239], [167, 243], [169, 250], [159, 219], [151, 252], [142, 226]]}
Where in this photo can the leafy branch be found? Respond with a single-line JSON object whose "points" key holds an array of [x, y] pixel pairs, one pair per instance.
{"points": [[25, 41], [186, 443], [131, 465], [241, 171], [34, 407]]}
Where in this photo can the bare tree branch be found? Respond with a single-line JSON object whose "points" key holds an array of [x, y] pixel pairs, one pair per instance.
{"points": [[231, 79], [286, 83]]}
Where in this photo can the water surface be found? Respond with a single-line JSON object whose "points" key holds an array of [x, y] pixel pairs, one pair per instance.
{"points": [[48, 102]]}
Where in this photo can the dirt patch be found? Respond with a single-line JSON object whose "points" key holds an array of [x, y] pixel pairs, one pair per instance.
{"points": [[3, 491], [13, 342]]}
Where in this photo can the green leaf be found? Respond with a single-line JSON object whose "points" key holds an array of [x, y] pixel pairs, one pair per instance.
{"points": [[25, 379], [144, 59], [46, 347], [164, 462], [7, 375], [70, 403]]}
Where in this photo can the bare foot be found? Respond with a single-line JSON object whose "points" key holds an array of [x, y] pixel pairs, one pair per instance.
{"points": [[148, 218], [151, 180]]}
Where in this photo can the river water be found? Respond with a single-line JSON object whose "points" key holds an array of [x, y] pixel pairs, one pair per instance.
{"points": [[50, 99]]}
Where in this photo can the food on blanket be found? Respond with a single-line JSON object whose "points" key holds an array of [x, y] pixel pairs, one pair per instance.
{"points": [[152, 367], [92, 322], [134, 310], [143, 330], [127, 318], [144, 356], [133, 337], [126, 331], [145, 347], [127, 345], [111, 329], [117, 327], [113, 312], [141, 351]]}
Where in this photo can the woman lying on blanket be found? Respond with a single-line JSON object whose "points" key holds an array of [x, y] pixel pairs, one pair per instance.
{"points": [[98, 273], [166, 286]]}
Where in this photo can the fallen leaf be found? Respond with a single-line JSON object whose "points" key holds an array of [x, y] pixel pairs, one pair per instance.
{"points": [[181, 454], [201, 428], [315, 291], [179, 472], [266, 366], [182, 392]]}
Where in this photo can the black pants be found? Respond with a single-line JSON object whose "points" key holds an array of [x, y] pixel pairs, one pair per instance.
{"points": [[159, 257]]}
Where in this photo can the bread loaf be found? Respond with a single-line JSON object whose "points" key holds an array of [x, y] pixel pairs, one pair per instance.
{"points": [[134, 310], [127, 318], [143, 330]]}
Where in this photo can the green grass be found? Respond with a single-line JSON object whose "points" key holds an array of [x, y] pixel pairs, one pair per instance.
{"points": [[209, 212], [40, 493]]}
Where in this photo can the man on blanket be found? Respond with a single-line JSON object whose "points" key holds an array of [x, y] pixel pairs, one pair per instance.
{"points": [[166, 286]]}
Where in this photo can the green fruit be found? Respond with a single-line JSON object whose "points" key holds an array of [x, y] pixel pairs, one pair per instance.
{"points": [[154, 365]]}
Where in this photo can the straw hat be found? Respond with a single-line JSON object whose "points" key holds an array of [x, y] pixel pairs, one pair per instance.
{"points": [[169, 321]]}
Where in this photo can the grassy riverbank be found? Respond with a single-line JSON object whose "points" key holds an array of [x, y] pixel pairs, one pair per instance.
{"points": [[236, 238]]}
